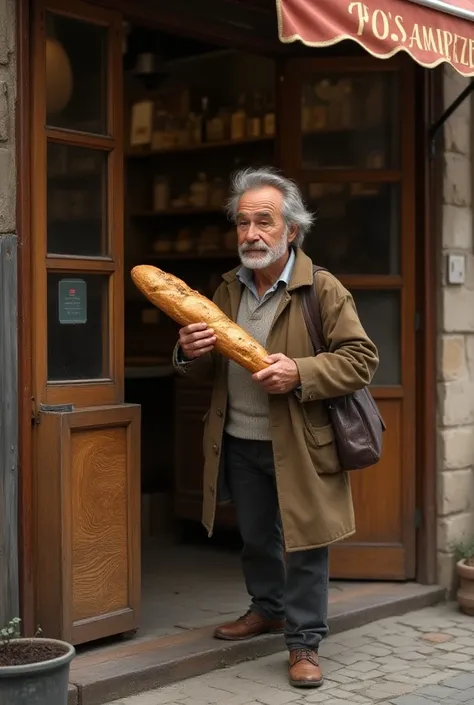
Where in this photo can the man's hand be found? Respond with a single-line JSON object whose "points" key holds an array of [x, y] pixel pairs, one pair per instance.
{"points": [[196, 340], [280, 377]]}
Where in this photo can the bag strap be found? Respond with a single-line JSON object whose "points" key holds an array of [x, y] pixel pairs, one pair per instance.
{"points": [[312, 314]]}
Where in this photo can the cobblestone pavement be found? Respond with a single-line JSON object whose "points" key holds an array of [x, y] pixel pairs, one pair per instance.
{"points": [[422, 658]]}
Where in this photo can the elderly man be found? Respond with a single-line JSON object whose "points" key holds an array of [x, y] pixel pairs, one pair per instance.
{"points": [[267, 436]]}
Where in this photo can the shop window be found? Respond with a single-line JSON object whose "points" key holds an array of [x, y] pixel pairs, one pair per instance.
{"points": [[350, 121], [76, 95], [78, 306], [357, 227], [77, 201], [379, 312]]}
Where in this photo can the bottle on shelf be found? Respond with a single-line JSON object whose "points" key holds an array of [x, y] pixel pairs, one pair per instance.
{"points": [[239, 117], [160, 127], [194, 129], [205, 118], [217, 194], [161, 193], [215, 128], [269, 118], [199, 191], [254, 118]]}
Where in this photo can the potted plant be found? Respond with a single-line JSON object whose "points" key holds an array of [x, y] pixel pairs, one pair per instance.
{"points": [[464, 551], [33, 671]]}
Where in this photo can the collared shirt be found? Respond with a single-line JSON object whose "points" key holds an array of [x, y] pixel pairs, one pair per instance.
{"points": [[245, 276]]}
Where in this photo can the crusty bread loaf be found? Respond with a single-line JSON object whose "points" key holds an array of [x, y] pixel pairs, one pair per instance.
{"points": [[185, 306]]}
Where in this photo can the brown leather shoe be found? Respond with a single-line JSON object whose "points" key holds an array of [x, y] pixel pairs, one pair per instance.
{"points": [[304, 670], [249, 625]]}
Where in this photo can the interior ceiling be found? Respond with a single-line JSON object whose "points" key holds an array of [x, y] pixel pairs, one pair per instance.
{"points": [[166, 47]]}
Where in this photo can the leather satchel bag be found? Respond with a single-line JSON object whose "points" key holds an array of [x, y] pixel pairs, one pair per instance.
{"points": [[355, 418]]}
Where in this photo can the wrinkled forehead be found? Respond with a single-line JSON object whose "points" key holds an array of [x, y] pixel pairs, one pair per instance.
{"points": [[264, 202]]}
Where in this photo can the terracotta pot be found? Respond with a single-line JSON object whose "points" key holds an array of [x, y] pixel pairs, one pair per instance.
{"points": [[465, 593]]}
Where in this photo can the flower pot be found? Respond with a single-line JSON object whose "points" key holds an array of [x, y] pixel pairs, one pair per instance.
{"points": [[44, 682], [465, 593]]}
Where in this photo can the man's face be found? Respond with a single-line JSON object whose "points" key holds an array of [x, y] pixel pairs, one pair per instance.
{"points": [[262, 232]]}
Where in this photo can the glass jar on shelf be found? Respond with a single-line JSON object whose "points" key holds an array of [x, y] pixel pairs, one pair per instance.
{"points": [[199, 191], [184, 241], [254, 117]]}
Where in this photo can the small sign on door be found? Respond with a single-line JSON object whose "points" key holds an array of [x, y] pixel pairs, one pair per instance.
{"points": [[72, 301]]}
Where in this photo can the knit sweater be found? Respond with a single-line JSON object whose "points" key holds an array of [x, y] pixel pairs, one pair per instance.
{"points": [[247, 411]]}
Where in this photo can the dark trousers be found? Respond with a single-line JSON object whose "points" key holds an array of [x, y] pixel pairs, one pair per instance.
{"points": [[297, 591]]}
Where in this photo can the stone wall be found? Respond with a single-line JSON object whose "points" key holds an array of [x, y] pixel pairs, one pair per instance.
{"points": [[455, 486], [8, 321], [7, 117]]}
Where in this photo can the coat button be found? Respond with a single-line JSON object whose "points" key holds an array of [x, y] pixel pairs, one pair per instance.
{"points": [[212, 489], [311, 396], [219, 412], [215, 448]]}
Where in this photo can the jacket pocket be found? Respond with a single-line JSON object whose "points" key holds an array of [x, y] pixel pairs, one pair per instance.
{"points": [[322, 448]]}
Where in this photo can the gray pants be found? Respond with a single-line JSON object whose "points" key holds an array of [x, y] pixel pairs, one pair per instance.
{"points": [[297, 591]]}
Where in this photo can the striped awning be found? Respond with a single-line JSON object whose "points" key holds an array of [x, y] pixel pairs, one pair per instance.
{"points": [[431, 31]]}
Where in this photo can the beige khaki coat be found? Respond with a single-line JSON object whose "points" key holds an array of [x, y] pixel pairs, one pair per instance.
{"points": [[313, 493]]}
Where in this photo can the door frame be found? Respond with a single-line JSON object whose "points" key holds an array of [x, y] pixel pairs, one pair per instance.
{"points": [[426, 303]]}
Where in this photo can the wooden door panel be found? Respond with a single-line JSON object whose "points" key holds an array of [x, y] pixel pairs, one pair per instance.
{"points": [[365, 234], [377, 494], [377, 490], [88, 522], [99, 521]]}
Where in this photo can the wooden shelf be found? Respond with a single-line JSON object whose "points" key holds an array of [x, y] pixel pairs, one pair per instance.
{"points": [[188, 210], [345, 130], [211, 254], [138, 153]]}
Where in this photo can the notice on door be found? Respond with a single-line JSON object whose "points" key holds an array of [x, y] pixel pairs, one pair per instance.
{"points": [[72, 296]]}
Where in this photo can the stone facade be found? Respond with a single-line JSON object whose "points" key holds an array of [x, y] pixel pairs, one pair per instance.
{"points": [[7, 115], [455, 485]]}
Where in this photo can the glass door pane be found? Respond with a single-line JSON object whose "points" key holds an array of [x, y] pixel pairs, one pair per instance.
{"points": [[77, 201], [357, 228], [379, 312], [350, 121], [78, 326], [76, 85]]}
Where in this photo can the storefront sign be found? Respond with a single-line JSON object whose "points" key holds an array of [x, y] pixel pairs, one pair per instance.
{"points": [[72, 296], [383, 28]]}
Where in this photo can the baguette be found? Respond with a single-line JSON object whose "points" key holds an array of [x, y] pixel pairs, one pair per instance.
{"points": [[185, 305]]}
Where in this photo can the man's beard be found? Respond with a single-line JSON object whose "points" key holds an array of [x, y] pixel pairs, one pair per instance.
{"points": [[268, 256]]}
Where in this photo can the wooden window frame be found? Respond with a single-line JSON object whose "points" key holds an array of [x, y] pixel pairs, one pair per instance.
{"points": [[94, 391]]}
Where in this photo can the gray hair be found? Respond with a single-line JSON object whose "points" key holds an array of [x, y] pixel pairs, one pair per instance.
{"points": [[293, 209]]}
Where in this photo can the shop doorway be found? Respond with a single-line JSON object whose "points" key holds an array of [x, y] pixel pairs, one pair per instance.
{"points": [[137, 138]]}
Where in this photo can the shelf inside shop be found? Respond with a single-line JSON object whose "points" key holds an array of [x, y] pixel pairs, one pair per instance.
{"points": [[209, 254], [137, 153], [187, 210]]}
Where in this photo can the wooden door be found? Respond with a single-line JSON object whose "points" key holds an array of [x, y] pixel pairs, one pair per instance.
{"points": [[86, 441], [347, 138]]}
